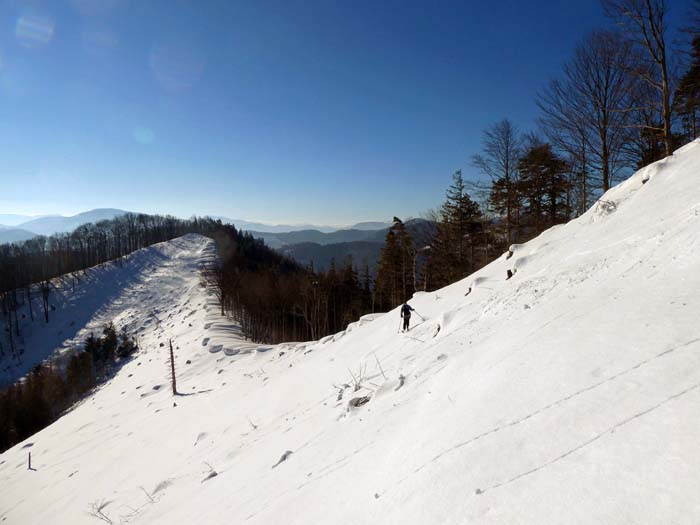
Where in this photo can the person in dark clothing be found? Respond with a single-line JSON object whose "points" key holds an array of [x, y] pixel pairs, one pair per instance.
{"points": [[406, 315]]}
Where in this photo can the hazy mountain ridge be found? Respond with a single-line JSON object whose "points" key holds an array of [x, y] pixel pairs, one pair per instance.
{"points": [[259, 227], [365, 249], [320, 255], [27, 226], [15, 219], [9, 234], [58, 223]]}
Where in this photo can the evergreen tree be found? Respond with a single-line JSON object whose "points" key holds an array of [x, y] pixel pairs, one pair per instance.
{"points": [[110, 342], [543, 187], [126, 345], [687, 96], [452, 253], [395, 277], [93, 346]]}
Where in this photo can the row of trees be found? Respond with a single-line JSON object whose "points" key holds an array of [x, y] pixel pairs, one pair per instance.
{"points": [[275, 299], [54, 386], [462, 243]]}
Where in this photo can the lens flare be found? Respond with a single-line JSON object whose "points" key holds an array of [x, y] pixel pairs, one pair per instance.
{"points": [[34, 30]]}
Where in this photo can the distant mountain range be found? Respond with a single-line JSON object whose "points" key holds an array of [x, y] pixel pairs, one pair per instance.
{"points": [[279, 240], [49, 224], [12, 234], [361, 252], [13, 219], [259, 227], [312, 246], [353, 234], [304, 242]]}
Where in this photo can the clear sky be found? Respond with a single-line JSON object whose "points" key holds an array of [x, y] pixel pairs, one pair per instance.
{"points": [[321, 111]]}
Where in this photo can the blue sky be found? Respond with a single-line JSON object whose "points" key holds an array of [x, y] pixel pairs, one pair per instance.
{"points": [[280, 110]]}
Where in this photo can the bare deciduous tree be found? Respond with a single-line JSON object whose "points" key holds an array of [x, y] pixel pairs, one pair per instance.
{"points": [[644, 21], [585, 113], [501, 149]]}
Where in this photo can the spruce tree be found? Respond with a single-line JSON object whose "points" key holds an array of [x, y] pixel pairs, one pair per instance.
{"points": [[687, 97], [395, 280], [452, 248], [543, 186]]}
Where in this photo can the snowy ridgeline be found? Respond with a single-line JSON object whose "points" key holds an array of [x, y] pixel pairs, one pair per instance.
{"points": [[568, 393]]}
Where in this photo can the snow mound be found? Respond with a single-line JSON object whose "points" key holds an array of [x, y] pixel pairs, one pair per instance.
{"points": [[568, 393]]}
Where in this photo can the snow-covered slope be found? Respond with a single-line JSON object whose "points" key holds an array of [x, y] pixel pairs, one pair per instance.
{"points": [[567, 394]]}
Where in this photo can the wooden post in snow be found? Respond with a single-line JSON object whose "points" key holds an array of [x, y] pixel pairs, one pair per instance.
{"points": [[29, 462], [172, 367]]}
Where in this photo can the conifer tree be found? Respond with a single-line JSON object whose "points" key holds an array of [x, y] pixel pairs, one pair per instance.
{"points": [[451, 256], [687, 96], [542, 186], [395, 281]]}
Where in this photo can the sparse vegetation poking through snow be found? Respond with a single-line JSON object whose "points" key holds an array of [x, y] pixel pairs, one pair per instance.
{"points": [[359, 378], [96, 510], [381, 370]]}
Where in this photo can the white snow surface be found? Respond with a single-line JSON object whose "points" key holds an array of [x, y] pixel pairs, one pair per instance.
{"points": [[569, 393]]}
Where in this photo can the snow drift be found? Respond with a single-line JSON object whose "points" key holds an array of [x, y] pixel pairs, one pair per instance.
{"points": [[569, 393]]}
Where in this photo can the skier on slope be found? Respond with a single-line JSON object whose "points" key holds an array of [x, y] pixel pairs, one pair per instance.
{"points": [[406, 310]]}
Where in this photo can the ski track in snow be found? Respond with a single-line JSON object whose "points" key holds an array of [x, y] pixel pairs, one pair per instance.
{"points": [[559, 402], [594, 438]]}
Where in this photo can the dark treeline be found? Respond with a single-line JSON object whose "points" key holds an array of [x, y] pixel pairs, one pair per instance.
{"points": [[54, 386], [275, 299], [27, 268]]}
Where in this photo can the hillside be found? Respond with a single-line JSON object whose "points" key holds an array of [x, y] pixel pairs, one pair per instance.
{"points": [[313, 246], [10, 234], [58, 223], [420, 228], [321, 255], [258, 227], [14, 219], [566, 394]]}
